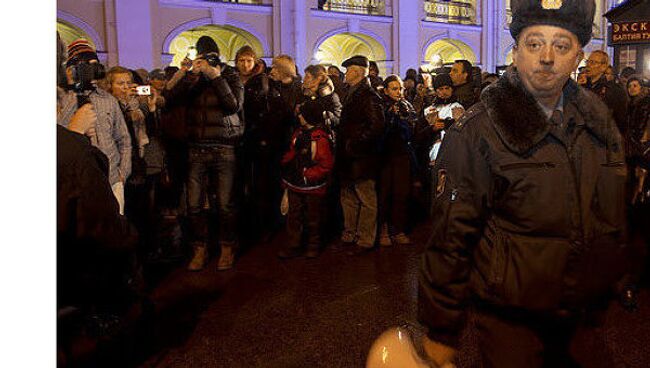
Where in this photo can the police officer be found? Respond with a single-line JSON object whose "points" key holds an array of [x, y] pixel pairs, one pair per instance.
{"points": [[529, 193]]}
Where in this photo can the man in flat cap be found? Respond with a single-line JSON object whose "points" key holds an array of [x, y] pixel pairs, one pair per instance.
{"points": [[360, 130], [530, 223]]}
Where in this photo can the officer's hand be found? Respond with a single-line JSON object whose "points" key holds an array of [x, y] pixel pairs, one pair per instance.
{"points": [[83, 119], [441, 354], [439, 125]]}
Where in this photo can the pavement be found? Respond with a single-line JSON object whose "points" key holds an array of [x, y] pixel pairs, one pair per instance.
{"points": [[326, 312]]}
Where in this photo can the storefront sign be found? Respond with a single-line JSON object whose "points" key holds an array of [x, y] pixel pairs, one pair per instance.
{"points": [[630, 32]]}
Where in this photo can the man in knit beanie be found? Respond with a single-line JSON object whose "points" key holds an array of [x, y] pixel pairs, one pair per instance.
{"points": [[110, 133]]}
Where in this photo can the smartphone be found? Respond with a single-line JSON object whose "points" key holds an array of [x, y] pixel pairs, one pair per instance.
{"points": [[143, 90]]}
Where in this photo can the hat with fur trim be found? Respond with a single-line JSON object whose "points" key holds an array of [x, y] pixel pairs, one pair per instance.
{"points": [[576, 16]]}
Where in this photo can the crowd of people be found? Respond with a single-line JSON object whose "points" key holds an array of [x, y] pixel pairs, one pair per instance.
{"points": [[208, 153]]}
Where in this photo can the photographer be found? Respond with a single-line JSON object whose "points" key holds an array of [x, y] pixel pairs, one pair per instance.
{"points": [[214, 96], [110, 133], [432, 125], [398, 163]]}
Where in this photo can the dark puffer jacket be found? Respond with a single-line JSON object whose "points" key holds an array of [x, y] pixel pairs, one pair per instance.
{"points": [[529, 216], [359, 133], [213, 107]]}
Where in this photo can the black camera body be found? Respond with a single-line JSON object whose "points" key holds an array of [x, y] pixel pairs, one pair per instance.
{"points": [[403, 109], [83, 75], [212, 58]]}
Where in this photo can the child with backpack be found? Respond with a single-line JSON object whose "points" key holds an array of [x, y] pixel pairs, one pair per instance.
{"points": [[306, 169]]}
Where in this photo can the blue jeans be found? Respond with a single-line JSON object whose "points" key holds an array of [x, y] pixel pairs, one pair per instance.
{"points": [[212, 174]]}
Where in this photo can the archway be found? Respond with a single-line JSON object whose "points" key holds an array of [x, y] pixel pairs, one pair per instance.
{"points": [[339, 47], [228, 38], [509, 57], [446, 51], [70, 33]]}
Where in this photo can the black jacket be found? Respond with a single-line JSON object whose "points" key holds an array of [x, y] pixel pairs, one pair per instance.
{"points": [[326, 100], [281, 119], [526, 218], [638, 122], [90, 230], [466, 95], [212, 107], [359, 133], [615, 97], [256, 105]]}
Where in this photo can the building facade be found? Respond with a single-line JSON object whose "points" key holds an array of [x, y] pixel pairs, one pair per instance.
{"points": [[398, 34]]}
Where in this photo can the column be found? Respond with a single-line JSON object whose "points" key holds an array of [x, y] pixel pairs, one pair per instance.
{"points": [[302, 55], [407, 38], [490, 38], [134, 37]]}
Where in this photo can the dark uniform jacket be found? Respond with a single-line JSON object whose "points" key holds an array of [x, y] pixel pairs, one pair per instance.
{"points": [[360, 130], [213, 107], [528, 215]]}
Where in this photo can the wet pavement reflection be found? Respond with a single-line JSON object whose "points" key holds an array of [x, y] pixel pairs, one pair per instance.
{"points": [[326, 312]]}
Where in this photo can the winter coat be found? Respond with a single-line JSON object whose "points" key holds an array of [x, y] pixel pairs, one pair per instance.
{"points": [[466, 95], [529, 216], [615, 97], [327, 100], [89, 226], [359, 134], [308, 163], [281, 121], [638, 122], [399, 132], [256, 105], [213, 107]]}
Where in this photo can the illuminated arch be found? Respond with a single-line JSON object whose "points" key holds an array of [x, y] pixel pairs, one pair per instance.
{"points": [[508, 57], [228, 38], [335, 47], [448, 50], [70, 26]]}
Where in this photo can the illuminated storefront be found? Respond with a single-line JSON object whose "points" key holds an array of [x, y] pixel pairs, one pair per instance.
{"points": [[629, 35]]}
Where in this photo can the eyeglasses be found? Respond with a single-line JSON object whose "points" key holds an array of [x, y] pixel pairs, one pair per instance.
{"points": [[596, 62]]}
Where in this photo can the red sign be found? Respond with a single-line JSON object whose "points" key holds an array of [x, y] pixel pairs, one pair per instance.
{"points": [[630, 32]]}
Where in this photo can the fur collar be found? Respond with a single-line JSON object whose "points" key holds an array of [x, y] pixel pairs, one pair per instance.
{"points": [[520, 121]]}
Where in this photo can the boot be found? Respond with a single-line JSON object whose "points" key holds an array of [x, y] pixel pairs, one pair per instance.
{"points": [[401, 239], [384, 237], [199, 258], [227, 257]]}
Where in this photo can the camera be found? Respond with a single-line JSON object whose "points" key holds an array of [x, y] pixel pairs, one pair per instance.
{"points": [[83, 75], [212, 58], [403, 109], [143, 90]]}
